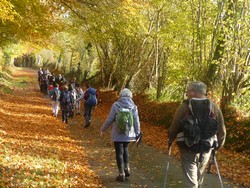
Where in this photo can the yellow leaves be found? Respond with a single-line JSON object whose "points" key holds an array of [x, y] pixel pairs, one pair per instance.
{"points": [[7, 12]]}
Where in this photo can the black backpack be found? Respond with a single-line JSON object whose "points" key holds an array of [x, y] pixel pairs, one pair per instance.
{"points": [[198, 127]]}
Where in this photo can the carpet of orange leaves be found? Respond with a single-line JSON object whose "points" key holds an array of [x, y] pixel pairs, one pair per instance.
{"points": [[35, 144], [28, 129]]}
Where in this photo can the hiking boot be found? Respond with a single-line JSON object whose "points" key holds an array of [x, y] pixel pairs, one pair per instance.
{"points": [[66, 121], [88, 124], [120, 178], [127, 172]]}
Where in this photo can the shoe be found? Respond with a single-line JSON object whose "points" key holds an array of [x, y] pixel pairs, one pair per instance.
{"points": [[127, 172], [120, 178], [88, 124], [66, 121]]}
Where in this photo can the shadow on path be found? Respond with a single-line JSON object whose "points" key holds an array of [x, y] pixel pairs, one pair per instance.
{"points": [[148, 164]]}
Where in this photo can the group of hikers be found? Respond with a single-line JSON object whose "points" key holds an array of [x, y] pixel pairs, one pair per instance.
{"points": [[67, 95], [197, 126]]}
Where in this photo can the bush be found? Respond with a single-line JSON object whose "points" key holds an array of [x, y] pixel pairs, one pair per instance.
{"points": [[238, 131]]}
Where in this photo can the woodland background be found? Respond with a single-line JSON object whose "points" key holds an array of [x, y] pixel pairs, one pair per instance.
{"points": [[152, 46]]}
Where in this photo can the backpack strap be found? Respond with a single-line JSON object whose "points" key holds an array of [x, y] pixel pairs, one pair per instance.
{"points": [[120, 107]]}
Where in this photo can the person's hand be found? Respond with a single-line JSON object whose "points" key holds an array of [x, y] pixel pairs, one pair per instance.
{"points": [[138, 136], [215, 145]]}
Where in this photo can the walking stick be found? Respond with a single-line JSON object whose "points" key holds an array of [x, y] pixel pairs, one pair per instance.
{"points": [[168, 161], [211, 162], [217, 168]]}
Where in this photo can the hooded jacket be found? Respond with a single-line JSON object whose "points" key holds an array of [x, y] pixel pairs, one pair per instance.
{"points": [[124, 102]]}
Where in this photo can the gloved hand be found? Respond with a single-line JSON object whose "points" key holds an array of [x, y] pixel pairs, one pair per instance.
{"points": [[138, 138], [215, 145]]}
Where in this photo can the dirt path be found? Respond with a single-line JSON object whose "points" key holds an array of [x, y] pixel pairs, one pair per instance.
{"points": [[148, 164]]}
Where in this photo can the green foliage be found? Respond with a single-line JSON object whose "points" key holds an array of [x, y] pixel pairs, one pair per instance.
{"points": [[153, 46], [241, 102], [171, 92]]}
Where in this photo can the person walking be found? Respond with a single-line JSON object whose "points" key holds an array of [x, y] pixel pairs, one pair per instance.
{"points": [[194, 163], [65, 102], [55, 96], [73, 94], [90, 102], [122, 139], [80, 95]]}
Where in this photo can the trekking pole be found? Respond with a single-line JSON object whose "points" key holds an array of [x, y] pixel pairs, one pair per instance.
{"points": [[211, 162], [168, 161], [217, 168]]}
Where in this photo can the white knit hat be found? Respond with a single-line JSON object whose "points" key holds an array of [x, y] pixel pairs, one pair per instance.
{"points": [[126, 93]]}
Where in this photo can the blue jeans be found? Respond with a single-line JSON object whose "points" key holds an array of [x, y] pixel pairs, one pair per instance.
{"points": [[88, 110], [122, 156]]}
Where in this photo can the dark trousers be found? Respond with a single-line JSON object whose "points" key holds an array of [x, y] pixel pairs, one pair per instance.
{"points": [[88, 110], [65, 115], [122, 156]]}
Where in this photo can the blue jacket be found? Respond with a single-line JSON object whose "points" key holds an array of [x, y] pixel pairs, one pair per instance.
{"points": [[124, 102]]}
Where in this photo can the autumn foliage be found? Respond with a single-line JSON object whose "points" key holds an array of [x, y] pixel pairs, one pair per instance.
{"points": [[39, 150], [36, 149], [156, 116]]}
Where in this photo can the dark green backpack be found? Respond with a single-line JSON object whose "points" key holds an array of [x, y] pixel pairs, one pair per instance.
{"points": [[124, 120]]}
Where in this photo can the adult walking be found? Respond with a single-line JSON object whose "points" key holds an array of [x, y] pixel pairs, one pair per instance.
{"points": [[194, 162], [80, 96], [65, 102], [122, 139], [90, 102], [55, 96]]}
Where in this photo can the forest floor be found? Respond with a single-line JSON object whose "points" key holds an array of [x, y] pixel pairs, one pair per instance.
{"points": [[38, 150]]}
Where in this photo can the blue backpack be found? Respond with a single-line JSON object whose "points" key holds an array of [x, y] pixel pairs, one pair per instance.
{"points": [[66, 98], [92, 100]]}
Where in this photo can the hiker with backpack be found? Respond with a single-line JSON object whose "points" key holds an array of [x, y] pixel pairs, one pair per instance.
{"points": [[55, 96], [73, 94], [65, 102], [124, 122], [90, 102], [80, 95], [40, 74], [198, 127]]}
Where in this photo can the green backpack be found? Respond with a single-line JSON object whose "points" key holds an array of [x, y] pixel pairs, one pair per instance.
{"points": [[124, 120]]}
